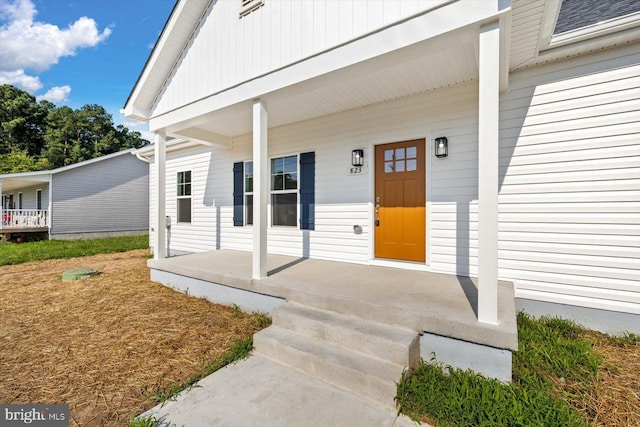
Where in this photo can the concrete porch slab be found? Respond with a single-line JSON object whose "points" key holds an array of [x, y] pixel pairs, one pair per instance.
{"points": [[439, 304]]}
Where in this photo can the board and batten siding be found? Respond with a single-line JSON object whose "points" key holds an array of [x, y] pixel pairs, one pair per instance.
{"points": [[229, 50], [105, 196], [569, 213], [343, 201]]}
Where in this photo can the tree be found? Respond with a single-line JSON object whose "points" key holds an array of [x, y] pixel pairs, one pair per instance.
{"points": [[60, 136], [34, 134], [21, 120], [20, 161]]}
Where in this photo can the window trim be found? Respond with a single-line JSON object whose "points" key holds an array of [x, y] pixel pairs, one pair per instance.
{"points": [[289, 191], [179, 197]]}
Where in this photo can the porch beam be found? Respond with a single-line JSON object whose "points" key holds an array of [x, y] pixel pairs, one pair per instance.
{"points": [[159, 167], [260, 189], [203, 137], [488, 108]]}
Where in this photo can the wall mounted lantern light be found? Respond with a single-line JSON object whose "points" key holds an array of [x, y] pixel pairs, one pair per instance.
{"points": [[357, 157], [442, 147]]}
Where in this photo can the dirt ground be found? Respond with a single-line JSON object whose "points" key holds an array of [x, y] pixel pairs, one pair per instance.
{"points": [[103, 344]]}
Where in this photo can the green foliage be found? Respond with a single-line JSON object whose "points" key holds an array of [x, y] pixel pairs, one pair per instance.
{"points": [[143, 422], [42, 135], [54, 249], [239, 350], [19, 161], [553, 365]]}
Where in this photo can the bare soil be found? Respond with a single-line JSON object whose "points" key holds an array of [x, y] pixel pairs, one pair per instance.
{"points": [[104, 344]]}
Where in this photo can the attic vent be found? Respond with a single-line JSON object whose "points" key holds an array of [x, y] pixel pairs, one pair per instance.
{"points": [[248, 6]]}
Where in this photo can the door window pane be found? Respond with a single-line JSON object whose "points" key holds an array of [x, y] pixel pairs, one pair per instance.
{"points": [[388, 155], [400, 166], [388, 167], [399, 153], [412, 164], [412, 152]]}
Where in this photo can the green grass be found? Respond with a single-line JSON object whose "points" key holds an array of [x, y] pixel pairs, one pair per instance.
{"points": [[143, 422], [551, 369], [17, 253]]}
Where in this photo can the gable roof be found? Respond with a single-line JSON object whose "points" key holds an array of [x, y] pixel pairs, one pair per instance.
{"points": [[68, 167], [576, 14]]}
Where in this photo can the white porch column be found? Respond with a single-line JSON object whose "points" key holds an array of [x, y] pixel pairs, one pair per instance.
{"points": [[260, 189], [159, 182], [488, 106]]}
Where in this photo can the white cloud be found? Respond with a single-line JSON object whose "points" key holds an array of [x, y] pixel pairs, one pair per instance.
{"points": [[18, 78], [32, 45], [56, 94], [36, 45]]}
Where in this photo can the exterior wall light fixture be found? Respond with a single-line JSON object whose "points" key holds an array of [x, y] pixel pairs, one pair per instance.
{"points": [[357, 157], [442, 147]]}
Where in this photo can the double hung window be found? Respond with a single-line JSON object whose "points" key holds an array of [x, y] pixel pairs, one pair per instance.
{"points": [[184, 196], [284, 191]]}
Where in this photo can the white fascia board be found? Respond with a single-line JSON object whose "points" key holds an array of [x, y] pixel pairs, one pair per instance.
{"points": [[429, 24]]}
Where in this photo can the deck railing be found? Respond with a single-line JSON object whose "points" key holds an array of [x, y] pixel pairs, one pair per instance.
{"points": [[24, 218]]}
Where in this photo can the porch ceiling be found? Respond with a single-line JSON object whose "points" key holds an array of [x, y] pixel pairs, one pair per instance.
{"points": [[14, 184], [447, 60]]}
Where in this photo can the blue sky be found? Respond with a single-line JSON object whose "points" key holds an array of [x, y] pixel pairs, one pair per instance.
{"points": [[76, 52]]}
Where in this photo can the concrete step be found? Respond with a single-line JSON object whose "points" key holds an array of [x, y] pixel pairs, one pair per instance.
{"points": [[396, 345], [368, 376]]}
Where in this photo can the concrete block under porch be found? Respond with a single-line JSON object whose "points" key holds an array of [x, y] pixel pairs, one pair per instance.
{"points": [[439, 307]]}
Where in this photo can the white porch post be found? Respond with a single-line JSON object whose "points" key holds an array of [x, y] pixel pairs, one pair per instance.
{"points": [[260, 189], [159, 181], [488, 106], [50, 205]]}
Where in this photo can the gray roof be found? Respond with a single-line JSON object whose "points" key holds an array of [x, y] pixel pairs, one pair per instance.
{"points": [[581, 13]]}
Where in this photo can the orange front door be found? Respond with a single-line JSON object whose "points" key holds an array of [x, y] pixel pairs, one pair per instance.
{"points": [[400, 195]]}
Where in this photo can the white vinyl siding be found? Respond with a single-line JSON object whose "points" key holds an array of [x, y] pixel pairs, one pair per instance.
{"points": [[570, 182], [342, 201], [229, 50], [569, 213]]}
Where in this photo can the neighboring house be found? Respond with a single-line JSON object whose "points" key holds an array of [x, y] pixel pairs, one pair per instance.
{"points": [[493, 139], [105, 196]]}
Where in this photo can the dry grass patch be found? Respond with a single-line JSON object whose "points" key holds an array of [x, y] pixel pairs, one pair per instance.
{"points": [[614, 399], [103, 345]]}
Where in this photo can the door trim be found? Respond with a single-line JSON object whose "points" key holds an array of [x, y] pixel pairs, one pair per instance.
{"points": [[399, 262]]}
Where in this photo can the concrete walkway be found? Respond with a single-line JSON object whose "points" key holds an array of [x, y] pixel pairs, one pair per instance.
{"points": [[260, 392]]}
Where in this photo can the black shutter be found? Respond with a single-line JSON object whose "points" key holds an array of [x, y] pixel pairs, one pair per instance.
{"points": [[307, 190], [238, 194]]}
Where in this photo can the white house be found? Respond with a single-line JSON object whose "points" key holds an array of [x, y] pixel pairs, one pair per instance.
{"points": [[101, 197], [313, 129]]}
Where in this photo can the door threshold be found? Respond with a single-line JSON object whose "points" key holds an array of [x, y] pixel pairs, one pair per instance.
{"points": [[395, 263]]}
